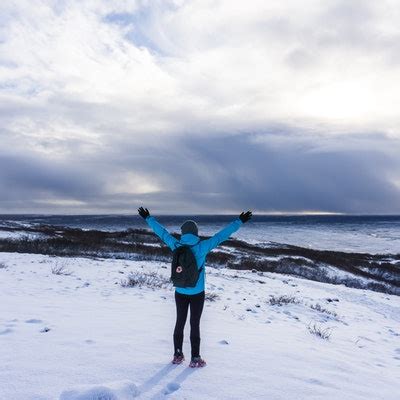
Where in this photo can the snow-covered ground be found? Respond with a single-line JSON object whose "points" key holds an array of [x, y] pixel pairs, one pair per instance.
{"points": [[84, 336], [20, 235]]}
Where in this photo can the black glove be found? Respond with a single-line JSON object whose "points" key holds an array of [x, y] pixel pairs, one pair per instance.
{"points": [[245, 216], [143, 212]]}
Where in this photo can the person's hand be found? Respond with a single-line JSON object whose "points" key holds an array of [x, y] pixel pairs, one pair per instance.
{"points": [[143, 212], [245, 216]]}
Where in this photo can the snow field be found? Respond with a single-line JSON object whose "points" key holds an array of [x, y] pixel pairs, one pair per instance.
{"points": [[84, 336]]}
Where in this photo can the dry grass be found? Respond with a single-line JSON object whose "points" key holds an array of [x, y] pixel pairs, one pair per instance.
{"points": [[318, 307], [148, 279], [319, 331], [210, 296], [60, 269], [282, 300]]}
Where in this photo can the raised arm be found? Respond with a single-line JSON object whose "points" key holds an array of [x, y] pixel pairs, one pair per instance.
{"points": [[211, 243], [158, 229]]}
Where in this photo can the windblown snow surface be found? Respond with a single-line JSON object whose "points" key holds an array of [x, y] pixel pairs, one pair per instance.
{"points": [[84, 336]]}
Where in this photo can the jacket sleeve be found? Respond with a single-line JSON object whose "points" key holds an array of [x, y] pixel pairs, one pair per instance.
{"points": [[211, 243], [161, 232]]}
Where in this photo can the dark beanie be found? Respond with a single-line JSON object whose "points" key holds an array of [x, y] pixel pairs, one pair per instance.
{"points": [[190, 226]]}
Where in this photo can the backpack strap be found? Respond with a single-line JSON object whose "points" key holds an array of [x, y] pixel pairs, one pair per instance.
{"points": [[201, 269]]}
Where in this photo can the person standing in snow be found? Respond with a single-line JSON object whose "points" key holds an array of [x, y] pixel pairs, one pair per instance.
{"points": [[191, 296]]}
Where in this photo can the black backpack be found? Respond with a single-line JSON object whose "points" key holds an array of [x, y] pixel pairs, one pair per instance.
{"points": [[184, 269]]}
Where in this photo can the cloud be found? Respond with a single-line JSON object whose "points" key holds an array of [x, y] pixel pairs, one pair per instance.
{"points": [[22, 174], [266, 172], [200, 105]]}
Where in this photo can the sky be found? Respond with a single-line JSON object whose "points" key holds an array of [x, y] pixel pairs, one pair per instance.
{"points": [[200, 107]]}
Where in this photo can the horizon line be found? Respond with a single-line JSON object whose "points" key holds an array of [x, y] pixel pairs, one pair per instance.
{"points": [[278, 213]]}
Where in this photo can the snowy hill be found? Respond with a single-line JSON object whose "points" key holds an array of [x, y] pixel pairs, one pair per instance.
{"points": [[378, 272], [85, 336]]}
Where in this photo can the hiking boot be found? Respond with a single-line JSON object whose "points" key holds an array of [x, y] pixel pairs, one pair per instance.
{"points": [[197, 362], [178, 358]]}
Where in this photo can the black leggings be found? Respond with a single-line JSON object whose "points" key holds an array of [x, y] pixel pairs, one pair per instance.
{"points": [[196, 302]]}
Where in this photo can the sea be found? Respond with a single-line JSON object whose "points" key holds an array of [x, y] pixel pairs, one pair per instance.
{"points": [[374, 234]]}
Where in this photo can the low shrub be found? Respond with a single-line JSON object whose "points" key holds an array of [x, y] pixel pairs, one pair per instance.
{"points": [[210, 296], [282, 300], [318, 330], [318, 307], [60, 269], [149, 279]]}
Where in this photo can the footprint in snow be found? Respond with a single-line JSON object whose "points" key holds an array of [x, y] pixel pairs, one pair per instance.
{"points": [[172, 387], [367, 339], [315, 381], [6, 331], [11, 323], [33, 321], [104, 391]]}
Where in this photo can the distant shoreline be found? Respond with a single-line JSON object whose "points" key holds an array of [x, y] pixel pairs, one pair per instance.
{"points": [[255, 215]]}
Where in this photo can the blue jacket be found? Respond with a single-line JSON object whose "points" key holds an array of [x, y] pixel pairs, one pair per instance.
{"points": [[200, 250]]}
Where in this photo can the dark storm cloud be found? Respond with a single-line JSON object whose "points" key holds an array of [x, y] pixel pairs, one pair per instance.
{"points": [[30, 178], [265, 172], [290, 176], [277, 172]]}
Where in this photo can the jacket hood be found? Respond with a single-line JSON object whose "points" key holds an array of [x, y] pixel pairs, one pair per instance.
{"points": [[189, 238]]}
